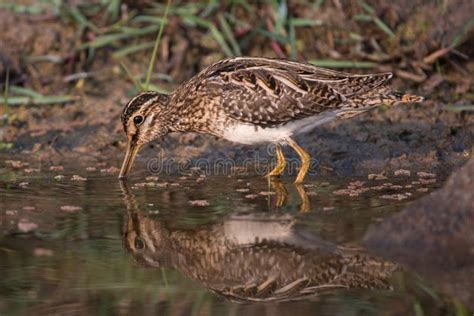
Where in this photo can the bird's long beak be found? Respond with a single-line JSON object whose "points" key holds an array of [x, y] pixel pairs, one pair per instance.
{"points": [[132, 150]]}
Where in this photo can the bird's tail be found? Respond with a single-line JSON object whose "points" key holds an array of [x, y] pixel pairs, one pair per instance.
{"points": [[390, 97]]}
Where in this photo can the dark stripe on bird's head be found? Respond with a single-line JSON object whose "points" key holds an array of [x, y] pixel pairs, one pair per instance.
{"points": [[136, 103]]}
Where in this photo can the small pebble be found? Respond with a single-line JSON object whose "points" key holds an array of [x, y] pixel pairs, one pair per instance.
{"points": [[242, 190], [199, 203], [422, 174], [175, 184], [251, 196], [328, 208], [11, 212], [111, 170], [398, 197], [70, 208], [59, 177], [26, 226], [56, 168], [376, 176], [16, 164], [29, 208], [396, 187], [23, 184], [30, 170], [43, 252], [402, 172], [151, 178], [422, 190], [91, 169], [427, 181], [266, 193], [78, 178]]}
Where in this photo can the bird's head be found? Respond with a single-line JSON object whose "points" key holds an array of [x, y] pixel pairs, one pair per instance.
{"points": [[144, 120]]}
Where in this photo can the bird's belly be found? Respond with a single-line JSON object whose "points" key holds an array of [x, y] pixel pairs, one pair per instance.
{"points": [[248, 134]]}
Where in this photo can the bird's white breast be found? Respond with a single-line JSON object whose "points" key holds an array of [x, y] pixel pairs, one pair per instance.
{"points": [[246, 133]]}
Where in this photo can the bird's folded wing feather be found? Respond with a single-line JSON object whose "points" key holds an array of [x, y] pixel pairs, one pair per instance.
{"points": [[268, 92]]}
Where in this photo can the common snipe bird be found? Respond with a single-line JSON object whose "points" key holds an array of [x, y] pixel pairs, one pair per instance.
{"points": [[256, 100]]}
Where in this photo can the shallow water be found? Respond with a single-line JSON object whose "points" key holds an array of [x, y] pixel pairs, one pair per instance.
{"points": [[202, 245]]}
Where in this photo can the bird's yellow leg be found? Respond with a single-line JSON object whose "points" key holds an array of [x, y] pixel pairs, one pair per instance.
{"points": [[305, 160], [305, 203], [281, 163], [281, 192]]}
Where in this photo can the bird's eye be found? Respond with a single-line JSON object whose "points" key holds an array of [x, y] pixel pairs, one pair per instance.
{"points": [[139, 244], [137, 120]]}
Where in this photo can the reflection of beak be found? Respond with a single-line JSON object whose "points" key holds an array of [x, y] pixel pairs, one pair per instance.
{"points": [[132, 150]]}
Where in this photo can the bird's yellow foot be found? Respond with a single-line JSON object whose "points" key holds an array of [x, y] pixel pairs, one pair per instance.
{"points": [[281, 163], [280, 192], [305, 203], [305, 160]]}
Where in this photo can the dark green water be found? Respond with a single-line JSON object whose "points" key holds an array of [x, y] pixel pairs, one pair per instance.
{"points": [[221, 246]]}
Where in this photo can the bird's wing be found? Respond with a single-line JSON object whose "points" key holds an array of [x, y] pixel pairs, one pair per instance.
{"points": [[268, 92]]}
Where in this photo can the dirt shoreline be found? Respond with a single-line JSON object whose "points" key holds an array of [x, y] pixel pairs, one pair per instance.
{"points": [[435, 136]]}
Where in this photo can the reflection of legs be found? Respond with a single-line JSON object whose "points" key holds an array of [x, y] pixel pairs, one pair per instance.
{"points": [[281, 163], [281, 192], [305, 160], [305, 204]]}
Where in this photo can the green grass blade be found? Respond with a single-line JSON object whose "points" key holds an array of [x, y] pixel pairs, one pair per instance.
{"points": [[298, 22], [5, 92], [25, 92], [136, 83], [157, 43], [44, 100], [133, 49], [331, 63], [229, 34], [369, 9], [107, 39], [384, 27]]}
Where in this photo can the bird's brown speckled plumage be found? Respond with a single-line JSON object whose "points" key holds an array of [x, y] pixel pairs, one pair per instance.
{"points": [[252, 100]]}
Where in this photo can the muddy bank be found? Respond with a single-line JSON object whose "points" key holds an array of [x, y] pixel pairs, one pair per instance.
{"points": [[43, 52], [434, 236]]}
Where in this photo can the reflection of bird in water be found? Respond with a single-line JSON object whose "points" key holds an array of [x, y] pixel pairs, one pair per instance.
{"points": [[252, 257]]}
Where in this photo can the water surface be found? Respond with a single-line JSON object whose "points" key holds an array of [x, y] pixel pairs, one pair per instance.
{"points": [[202, 245]]}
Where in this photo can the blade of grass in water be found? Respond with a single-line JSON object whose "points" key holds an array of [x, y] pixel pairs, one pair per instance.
{"points": [[342, 63], [157, 43]]}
